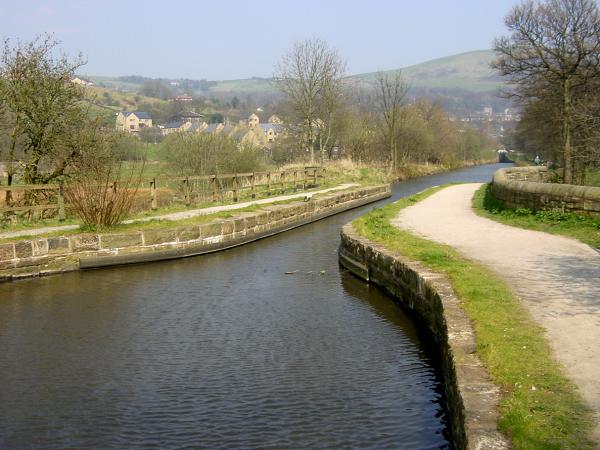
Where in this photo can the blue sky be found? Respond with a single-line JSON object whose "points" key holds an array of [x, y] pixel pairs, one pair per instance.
{"points": [[239, 39]]}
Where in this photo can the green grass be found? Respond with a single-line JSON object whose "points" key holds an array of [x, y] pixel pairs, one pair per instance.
{"points": [[584, 228], [511, 345], [593, 177], [155, 152]]}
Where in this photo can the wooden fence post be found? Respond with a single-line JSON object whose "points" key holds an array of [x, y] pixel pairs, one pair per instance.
{"points": [[305, 181], [295, 180], [252, 181], [282, 179], [268, 183], [186, 191], [8, 198], [61, 202], [153, 193], [213, 187], [235, 188], [315, 175]]}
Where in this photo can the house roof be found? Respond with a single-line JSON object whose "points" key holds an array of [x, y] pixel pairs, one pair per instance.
{"points": [[193, 127], [211, 127], [142, 115], [274, 126], [174, 124], [138, 114], [187, 114]]}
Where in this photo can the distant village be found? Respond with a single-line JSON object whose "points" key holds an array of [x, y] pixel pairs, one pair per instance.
{"points": [[248, 132], [496, 124]]}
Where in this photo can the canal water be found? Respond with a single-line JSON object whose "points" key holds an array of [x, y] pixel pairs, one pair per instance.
{"points": [[221, 351]]}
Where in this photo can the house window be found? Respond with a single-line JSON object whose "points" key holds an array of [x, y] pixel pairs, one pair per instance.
{"points": [[132, 127]]}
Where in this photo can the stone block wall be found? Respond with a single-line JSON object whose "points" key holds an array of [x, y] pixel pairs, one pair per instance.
{"points": [[49, 255], [526, 187], [471, 396]]}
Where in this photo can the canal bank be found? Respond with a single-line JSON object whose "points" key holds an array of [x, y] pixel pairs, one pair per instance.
{"points": [[223, 351], [60, 254], [539, 407], [471, 396]]}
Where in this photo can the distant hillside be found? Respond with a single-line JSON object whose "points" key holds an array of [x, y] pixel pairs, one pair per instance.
{"points": [[244, 86], [467, 71], [118, 101]]}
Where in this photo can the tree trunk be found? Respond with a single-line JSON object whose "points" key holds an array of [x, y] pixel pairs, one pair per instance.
{"points": [[311, 145], [11, 159], [567, 150]]}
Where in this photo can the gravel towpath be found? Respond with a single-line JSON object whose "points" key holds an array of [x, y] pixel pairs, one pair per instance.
{"points": [[556, 278]]}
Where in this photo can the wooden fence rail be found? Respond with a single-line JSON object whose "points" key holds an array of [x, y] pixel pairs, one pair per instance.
{"points": [[187, 189]]}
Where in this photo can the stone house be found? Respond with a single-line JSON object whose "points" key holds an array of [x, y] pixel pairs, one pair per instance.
{"points": [[132, 122], [271, 131], [268, 132], [185, 121], [253, 121]]}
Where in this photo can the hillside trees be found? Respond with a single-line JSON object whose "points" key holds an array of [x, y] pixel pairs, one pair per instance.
{"points": [[156, 89], [552, 57], [310, 75]]}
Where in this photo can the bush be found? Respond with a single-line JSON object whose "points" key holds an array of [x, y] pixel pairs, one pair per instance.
{"points": [[95, 186], [206, 154]]}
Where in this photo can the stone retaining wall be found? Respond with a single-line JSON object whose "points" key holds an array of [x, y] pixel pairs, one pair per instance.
{"points": [[527, 187], [50, 255], [472, 398]]}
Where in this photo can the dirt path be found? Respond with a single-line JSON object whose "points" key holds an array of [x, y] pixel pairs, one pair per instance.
{"points": [[556, 278], [183, 214]]}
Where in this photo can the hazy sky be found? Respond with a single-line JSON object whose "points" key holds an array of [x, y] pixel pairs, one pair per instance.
{"points": [[239, 39]]}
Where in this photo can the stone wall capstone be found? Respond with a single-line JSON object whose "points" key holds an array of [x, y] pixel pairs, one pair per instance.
{"points": [[528, 187]]}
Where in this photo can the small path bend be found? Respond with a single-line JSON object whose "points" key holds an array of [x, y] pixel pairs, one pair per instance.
{"points": [[556, 278], [183, 214]]}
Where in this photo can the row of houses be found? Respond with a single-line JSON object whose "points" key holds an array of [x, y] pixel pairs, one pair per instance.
{"points": [[250, 131]]}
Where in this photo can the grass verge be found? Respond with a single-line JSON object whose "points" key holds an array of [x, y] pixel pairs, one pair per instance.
{"points": [[539, 409], [584, 228]]}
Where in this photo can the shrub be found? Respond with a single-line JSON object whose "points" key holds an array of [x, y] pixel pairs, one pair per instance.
{"points": [[96, 188]]}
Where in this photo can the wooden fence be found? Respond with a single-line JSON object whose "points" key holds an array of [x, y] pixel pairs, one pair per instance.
{"points": [[187, 190]]}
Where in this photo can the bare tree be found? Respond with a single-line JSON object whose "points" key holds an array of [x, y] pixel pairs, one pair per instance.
{"points": [[391, 91], [554, 46], [310, 75]]}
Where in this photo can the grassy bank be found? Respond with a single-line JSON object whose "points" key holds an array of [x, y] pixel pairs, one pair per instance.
{"points": [[584, 228], [539, 407]]}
